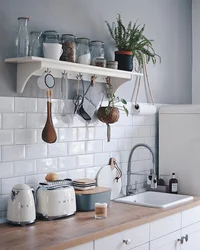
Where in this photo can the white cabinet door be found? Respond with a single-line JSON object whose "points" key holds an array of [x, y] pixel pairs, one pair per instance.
{"points": [[86, 246], [165, 226], [167, 242], [193, 233]]}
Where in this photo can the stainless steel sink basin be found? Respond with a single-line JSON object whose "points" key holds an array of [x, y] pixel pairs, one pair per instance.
{"points": [[155, 199]]}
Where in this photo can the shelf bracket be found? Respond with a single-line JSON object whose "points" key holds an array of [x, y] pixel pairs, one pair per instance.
{"points": [[24, 72]]}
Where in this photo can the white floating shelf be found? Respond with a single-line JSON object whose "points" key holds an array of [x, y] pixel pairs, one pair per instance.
{"points": [[35, 66]]}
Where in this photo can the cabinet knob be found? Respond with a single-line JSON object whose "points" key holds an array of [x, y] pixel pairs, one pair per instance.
{"points": [[186, 238], [181, 240], [127, 242]]}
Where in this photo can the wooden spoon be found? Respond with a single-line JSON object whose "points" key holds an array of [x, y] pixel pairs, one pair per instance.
{"points": [[49, 133]]}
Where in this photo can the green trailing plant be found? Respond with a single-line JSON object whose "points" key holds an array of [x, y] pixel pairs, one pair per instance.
{"points": [[115, 101], [131, 38]]}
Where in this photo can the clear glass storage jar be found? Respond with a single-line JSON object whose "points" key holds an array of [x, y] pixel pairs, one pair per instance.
{"points": [[35, 44], [83, 51], [68, 42], [51, 36], [97, 50], [22, 39]]}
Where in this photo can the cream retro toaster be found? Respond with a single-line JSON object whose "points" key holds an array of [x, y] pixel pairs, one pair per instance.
{"points": [[55, 201]]}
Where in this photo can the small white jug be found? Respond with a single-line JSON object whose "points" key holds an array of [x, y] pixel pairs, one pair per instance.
{"points": [[52, 50]]}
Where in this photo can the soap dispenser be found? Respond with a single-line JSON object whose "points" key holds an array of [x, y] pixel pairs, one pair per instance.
{"points": [[173, 184]]}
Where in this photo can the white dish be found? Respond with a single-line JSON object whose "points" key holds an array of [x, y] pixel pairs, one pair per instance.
{"points": [[155, 199]]}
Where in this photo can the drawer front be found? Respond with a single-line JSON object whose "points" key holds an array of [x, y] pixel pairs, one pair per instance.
{"points": [[167, 242], [136, 236], [86, 246], [190, 216], [167, 225], [143, 247]]}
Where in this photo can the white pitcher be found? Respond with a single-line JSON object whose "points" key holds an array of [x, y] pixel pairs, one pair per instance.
{"points": [[52, 50]]}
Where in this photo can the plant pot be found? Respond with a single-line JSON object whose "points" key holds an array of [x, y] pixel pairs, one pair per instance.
{"points": [[110, 118], [124, 59]]}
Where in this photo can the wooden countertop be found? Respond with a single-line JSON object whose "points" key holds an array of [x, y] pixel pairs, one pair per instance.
{"points": [[81, 228]]}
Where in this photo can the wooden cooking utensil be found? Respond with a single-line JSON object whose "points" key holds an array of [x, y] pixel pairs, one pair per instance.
{"points": [[49, 133]]}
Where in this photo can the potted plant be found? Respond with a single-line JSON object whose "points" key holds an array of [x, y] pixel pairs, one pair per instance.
{"points": [[131, 42], [110, 114]]}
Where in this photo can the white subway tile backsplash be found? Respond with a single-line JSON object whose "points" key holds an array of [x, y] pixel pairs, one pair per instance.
{"points": [[151, 120], [91, 173], [144, 154], [14, 120], [6, 137], [42, 105], [153, 131], [67, 134], [131, 131], [35, 179], [57, 149], [139, 120], [101, 132], [124, 120], [75, 148], [76, 174], [123, 144], [101, 159], [25, 136], [24, 167], [46, 165], [77, 122], [110, 146], [150, 141], [85, 160], [6, 169], [36, 120], [6, 104], [118, 132], [3, 202], [12, 153], [144, 131], [86, 133], [94, 146], [80, 151], [36, 151], [8, 184], [25, 105], [68, 162]]}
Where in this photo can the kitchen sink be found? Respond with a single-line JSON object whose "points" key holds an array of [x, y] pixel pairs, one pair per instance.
{"points": [[155, 199]]}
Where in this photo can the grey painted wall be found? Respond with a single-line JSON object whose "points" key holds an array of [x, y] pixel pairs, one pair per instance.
{"points": [[196, 51], [168, 22]]}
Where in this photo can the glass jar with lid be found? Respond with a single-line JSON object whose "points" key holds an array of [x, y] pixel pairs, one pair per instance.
{"points": [[35, 43], [68, 42], [51, 36], [83, 51], [97, 50]]}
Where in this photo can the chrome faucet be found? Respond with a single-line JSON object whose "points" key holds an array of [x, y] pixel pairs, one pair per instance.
{"points": [[152, 175]]}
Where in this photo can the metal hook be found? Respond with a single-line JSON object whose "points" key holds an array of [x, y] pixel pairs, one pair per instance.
{"points": [[78, 76], [47, 71], [64, 73], [93, 79]]}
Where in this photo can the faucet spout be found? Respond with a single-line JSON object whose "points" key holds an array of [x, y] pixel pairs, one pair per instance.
{"points": [[153, 171]]}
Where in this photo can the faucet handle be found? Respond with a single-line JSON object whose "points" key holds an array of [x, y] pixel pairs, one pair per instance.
{"points": [[154, 181]]}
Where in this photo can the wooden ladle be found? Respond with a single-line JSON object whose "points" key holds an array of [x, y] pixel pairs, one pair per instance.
{"points": [[49, 133]]}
